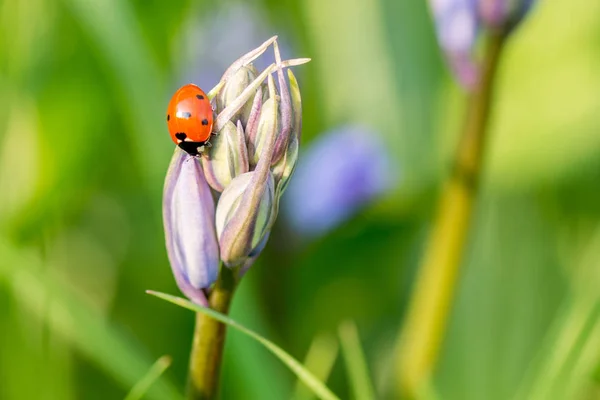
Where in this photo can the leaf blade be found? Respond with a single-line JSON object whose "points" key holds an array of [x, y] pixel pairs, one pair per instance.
{"points": [[307, 378], [356, 364], [143, 385]]}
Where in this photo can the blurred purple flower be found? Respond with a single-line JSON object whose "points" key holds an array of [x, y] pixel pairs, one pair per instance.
{"points": [[457, 29], [503, 15], [342, 171], [459, 23], [216, 38]]}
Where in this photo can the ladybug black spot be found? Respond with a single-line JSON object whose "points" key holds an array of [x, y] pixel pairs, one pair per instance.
{"points": [[199, 97], [204, 121], [180, 135], [168, 117]]}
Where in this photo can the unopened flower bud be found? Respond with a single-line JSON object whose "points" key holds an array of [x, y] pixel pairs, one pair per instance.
{"points": [[503, 15], [286, 113], [246, 209], [254, 255], [267, 118], [283, 170], [459, 24], [241, 227], [457, 28], [227, 158], [254, 117], [234, 86], [188, 216]]}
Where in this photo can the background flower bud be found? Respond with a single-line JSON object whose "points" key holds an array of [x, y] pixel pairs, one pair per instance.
{"points": [[188, 216], [338, 175], [503, 15], [459, 23], [457, 28], [227, 158]]}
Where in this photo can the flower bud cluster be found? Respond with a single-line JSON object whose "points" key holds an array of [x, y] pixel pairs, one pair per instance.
{"points": [[220, 206]]}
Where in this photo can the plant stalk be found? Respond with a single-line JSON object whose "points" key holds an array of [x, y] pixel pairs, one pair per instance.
{"points": [[429, 307], [209, 341]]}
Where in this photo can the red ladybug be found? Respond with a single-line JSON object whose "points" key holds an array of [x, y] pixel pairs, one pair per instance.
{"points": [[190, 119]]}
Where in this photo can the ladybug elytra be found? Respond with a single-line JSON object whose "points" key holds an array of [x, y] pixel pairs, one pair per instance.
{"points": [[190, 119]]}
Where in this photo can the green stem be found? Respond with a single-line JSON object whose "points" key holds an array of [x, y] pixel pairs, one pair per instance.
{"points": [[209, 341], [430, 305]]}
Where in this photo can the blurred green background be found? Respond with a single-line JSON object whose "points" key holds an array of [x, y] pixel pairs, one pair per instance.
{"points": [[84, 148]]}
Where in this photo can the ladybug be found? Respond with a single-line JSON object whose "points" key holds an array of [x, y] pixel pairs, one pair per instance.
{"points": [[190, 119]]}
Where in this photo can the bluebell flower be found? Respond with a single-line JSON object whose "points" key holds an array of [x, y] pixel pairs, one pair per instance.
{"points": [[342, 171]]}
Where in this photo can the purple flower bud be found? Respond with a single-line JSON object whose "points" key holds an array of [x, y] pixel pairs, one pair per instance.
{"points": [[458, 25], [284, 168], [457, 29], [227, 158], [253, 126], [503, 15], [189, 221], [245, 211], [342, 172], [283, 134], [232, 89], [254, 255], [257, 146]]}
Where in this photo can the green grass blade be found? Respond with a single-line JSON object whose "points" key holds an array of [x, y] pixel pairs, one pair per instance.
{"points": [[116, 32], [302, 373], [158, 368], [320, 359], [250, 382], [83, 327], [356, 365]]}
